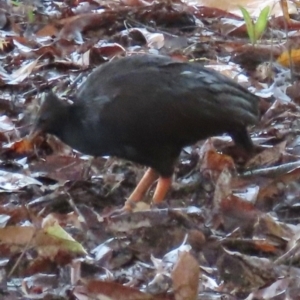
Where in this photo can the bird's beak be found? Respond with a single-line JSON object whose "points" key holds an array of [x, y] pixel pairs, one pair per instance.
{"points": [[34, 133]]}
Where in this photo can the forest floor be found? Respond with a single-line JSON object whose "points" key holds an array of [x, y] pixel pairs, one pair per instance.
{"points": [[229, 226]]}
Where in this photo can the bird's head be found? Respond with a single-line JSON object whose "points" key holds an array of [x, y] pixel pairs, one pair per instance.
{"points": [[52, 114]]}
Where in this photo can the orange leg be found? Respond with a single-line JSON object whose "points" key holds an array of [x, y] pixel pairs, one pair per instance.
{"points": [[139, 192], [162, 188]]}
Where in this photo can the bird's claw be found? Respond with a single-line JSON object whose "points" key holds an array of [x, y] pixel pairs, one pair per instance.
{"points": [[127, 208]]}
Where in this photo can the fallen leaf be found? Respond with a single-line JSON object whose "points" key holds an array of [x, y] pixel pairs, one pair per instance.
{"points": [[185, 276]]}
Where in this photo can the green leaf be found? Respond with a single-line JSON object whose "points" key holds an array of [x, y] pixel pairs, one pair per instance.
{"points": [[261, 23], [31, 16], [66, 240], [249, 25], [15, 3]]}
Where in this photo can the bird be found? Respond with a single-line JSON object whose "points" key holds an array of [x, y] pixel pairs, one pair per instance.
{"points": [[146, 109]]}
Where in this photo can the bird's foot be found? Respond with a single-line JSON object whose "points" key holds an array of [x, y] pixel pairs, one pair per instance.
{"points": [[159, 205], [130, 205], [127, 208]]}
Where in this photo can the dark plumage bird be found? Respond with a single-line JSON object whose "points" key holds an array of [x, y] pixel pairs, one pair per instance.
{"points": [[146, 108]]}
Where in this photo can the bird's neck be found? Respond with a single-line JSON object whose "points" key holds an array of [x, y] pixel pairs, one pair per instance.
{"points": [[81, 134]]}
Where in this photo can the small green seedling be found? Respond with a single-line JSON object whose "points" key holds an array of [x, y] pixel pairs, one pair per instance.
{"points": [[255, 30], [28, 9], [30, 15]]}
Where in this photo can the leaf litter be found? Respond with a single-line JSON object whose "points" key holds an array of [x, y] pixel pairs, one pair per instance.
{"points": [[230, 225]]}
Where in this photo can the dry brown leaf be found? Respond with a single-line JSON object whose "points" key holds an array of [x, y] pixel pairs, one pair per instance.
{"points": [[74, 26], [237, 213], [23, 146], [185, 276], [16, 235], [6, 124], [136, 3], [267, 157], [23, 72], [216, 162], [223, 188], [288, 57], [277, 185], [265, 246], [237, 206], [116, 291], [10, 181], [269, 226], [253, 6], [48, 30], [246, 271], [285, 10]]}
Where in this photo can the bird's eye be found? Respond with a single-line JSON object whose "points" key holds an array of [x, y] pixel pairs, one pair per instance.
{"points": [[42, 121]]}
